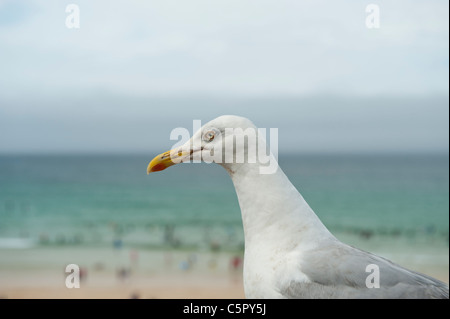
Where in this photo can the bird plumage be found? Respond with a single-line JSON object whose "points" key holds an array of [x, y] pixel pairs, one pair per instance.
{"points": [[289, 253]]}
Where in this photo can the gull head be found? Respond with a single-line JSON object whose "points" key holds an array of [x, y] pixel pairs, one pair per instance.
{"points": [[227, 140]]}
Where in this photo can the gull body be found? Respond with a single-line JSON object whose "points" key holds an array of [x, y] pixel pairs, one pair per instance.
{"points": [[289, 253]]}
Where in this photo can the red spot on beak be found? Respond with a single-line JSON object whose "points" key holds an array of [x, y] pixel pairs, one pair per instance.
{"points": [[158, 167]]}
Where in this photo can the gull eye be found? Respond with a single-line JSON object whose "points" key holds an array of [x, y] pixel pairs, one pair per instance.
{"points": [[209, 136]]}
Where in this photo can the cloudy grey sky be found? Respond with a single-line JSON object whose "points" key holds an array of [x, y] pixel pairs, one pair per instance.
{"points": [[137, 69]]}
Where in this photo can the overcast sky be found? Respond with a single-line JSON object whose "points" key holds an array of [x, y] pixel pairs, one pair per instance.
{"points": [[135, 70]]}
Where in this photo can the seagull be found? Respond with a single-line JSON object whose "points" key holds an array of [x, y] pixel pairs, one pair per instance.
{"points": [[289, 252]]}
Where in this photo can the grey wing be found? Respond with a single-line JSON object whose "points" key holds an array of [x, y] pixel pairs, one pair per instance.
{"points": [[340, 271]]}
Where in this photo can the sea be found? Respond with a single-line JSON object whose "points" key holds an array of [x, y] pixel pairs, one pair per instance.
{"points": [[110, 201]]}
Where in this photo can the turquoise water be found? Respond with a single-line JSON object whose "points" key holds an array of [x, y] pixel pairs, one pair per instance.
{"points": [[102, 200]]}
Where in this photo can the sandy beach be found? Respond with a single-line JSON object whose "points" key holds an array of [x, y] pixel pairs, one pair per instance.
{"points": [[39, 272], [162, 287], [112, 274]]}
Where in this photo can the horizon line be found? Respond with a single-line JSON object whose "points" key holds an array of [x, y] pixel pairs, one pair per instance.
{"points": [[301, 153]]}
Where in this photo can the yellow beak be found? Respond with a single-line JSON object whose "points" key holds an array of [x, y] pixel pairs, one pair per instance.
{"points": [[166, 159]]}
